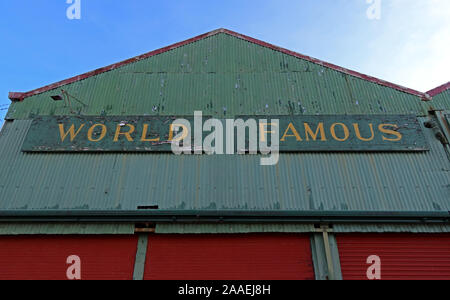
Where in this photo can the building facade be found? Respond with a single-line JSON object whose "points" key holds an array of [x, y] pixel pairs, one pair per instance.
{"points": [[368, 209]]}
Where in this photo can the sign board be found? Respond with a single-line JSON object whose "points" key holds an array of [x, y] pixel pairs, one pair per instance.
{"points": [[334, 133]]}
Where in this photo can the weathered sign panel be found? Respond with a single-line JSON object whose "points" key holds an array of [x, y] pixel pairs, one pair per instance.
{"points": [[334, 133]]}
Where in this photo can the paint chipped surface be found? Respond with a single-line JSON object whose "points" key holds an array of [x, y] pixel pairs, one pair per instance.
{"points": [[416, 182]]}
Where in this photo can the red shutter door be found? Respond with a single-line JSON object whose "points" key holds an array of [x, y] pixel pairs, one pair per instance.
{"points": [[45, 257], [229, 257], [403, 256]]}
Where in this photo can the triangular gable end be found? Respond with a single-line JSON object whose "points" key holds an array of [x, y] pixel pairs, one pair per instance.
{"points": [[18, 96]]}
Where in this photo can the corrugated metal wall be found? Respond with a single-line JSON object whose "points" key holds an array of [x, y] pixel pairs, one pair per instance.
{"points": [[310, 182], [403, 256], [223, 76], [232, 228], [45, 257], [229, 257], [65, 229], [441, 101], [397, 228]]}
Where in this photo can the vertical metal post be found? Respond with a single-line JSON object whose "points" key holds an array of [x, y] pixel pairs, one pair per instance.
{"points": [[326, 242], [325, 254], [141, 254]]}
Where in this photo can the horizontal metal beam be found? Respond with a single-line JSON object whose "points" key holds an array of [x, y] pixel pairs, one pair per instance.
{"points": [[173, 216]]}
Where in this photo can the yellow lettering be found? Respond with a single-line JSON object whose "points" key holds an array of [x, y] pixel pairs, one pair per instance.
{"points": [[144, 135], [126, 134], [91, 132], [346, 132], [391, 132], [263, 132], [185, 132], [313, 135], [71, 131], [358, 133], [294, 131]]}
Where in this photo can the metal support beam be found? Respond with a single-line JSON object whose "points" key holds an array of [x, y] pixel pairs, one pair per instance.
{"points": [[141, 254], [328, 255], [325, 255], [247, 217]]}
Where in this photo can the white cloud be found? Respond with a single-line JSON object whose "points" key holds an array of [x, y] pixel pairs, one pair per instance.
{"points": [[414, 47]]}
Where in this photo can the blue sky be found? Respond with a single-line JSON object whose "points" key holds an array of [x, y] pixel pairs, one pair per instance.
{"points": [[408, 45]]}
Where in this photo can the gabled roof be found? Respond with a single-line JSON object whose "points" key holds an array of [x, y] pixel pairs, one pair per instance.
{"points": [[18, 96], [439, 89]]}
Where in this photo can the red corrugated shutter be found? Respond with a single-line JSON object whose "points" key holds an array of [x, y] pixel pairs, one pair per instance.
{"points": [[403, 256], [44, 257], [229, 257]]}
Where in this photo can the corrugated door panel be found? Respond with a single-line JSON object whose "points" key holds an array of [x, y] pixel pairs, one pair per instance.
{"points": [[403, 256], [45, 257], [229, 257]]}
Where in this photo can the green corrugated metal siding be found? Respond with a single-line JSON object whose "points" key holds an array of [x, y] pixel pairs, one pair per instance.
{"points": [[300, 228], [308, 181], [441, 101], [223, 75], [380, 228], [65, 229], [232, 228]]}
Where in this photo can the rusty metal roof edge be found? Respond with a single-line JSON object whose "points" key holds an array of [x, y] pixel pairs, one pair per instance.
{"points": [[19, 96], [440, 89]]}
